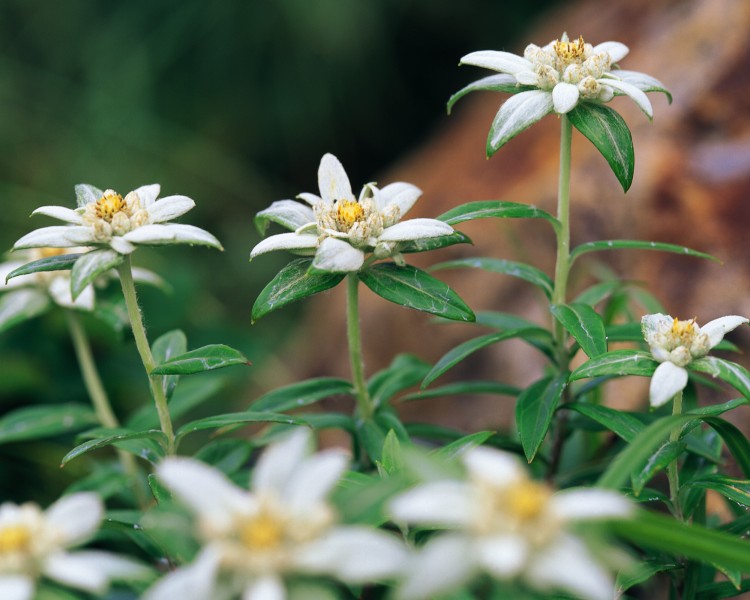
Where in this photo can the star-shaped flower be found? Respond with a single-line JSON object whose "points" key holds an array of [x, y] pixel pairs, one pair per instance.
{"points": [[105, 219], [675, 344], [340, 229], [282, 527], [506, 525]]}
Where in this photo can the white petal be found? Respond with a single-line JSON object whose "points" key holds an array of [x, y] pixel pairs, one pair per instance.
{"points": [[280, 460], [70, 570], [76, 517], [148, 194], [114, 567], [503, 556], [170, 207], [617, 50], [590, 503], [206, 491], [400, 194], [355, 554], [311, 199], [171, 234], [61, 213], [565, 97], [415, 229], [504, 62], [285, 241], [268, 587], [289, 213], [445, 562], [194, 581], [16, 587], [333, 181], [716, 329], [636, 94], [567, 564], [313, 479], [59, 289], [527, 78], [121, 245], [518, 113], [667, 380], [337, 256], [494, 466], [445, 503], [56, 236]]}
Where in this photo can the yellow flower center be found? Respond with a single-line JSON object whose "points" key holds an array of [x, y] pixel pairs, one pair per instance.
{"points": [[263, 532], [527, 500], [108, 205], [570, 51], [683, 331], [14, 538], [348, 212]]}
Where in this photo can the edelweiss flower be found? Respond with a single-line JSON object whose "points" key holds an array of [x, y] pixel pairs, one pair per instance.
{"points": [[340, 229], [106, 219], [33, 545], [675, 344], [506, 525], [283, 526]]}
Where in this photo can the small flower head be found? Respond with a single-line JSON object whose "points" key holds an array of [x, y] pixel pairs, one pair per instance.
{"points": [[675, 344], [339, 229]]}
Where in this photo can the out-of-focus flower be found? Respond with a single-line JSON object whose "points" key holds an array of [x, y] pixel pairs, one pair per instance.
{"points": [[34, 544], [340, 229], [282, 527], [675, 344], [506, 525]]}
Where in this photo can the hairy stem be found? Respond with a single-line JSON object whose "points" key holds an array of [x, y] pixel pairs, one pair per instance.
{"points": [[364, 403]]}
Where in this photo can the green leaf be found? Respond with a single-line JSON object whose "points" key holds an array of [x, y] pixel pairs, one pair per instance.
{"points": [[516, 114], [722, 589], [465, 349], [165, 347], [413, 288], [607, 130], [404, 372], [598, 292], [434, 243], [372, 439], [636, 245], [36, 422], [635, 574], [392, 457], [658, 461], [666, 534], [621, 423], [485, 209], [207, 358], [21, 305], [584, 324], [302, 393], [617, 362], [465, 387], [458, 447], [238, 418], [228, 456], [534, 411], [160, 492], [502, 82], [736, 490], [108, 440], [736, 442], [89, 266], [294, 282], [735, 375], [523, 271], [63, 262]]}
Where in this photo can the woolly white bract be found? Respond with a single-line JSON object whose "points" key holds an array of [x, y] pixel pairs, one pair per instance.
{"points": [[506, 525], [675, 344], [340, 229], [283, 526]]}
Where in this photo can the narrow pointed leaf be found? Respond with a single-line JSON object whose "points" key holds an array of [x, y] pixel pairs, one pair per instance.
{"points": [[658, 461], [465, 388], [735, 375], [636, 245], [434, 243], [207, 358], [584, 324], [89, 266], [404, 372], [458, 447], [108, 440], [607, 130], [63, 262], [233, 419], [621, 423], [535, 408], [502, 82], [485, 209], [20, 305], [736, 490], [617, 362], [516, 114], [523, 271], [37, 422], [413, 288], [165, 347], [302, 393], [736, 442], [294, 282]]}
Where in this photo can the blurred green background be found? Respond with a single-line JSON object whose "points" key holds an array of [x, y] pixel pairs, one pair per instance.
{"points": [[231, 103]]}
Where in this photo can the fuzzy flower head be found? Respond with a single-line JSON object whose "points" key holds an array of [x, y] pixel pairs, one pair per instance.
{"points": [[507, 525], [34, 544], [106, 219], [252, 540], [340, 229], [675, 344]]}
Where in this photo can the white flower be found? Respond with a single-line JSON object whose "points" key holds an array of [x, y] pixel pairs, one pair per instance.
{"points": [[340, 229], [675, 344], [506, 525], [282, 526], [33, 544], [106, 219]]}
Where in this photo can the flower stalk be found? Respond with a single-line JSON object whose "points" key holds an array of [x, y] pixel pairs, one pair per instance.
{"points": [[354, 338], [144, 350]]}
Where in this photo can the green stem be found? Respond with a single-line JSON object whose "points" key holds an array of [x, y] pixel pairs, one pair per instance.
{"points": [[364, 404], [141, 342], [673, 474]]}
